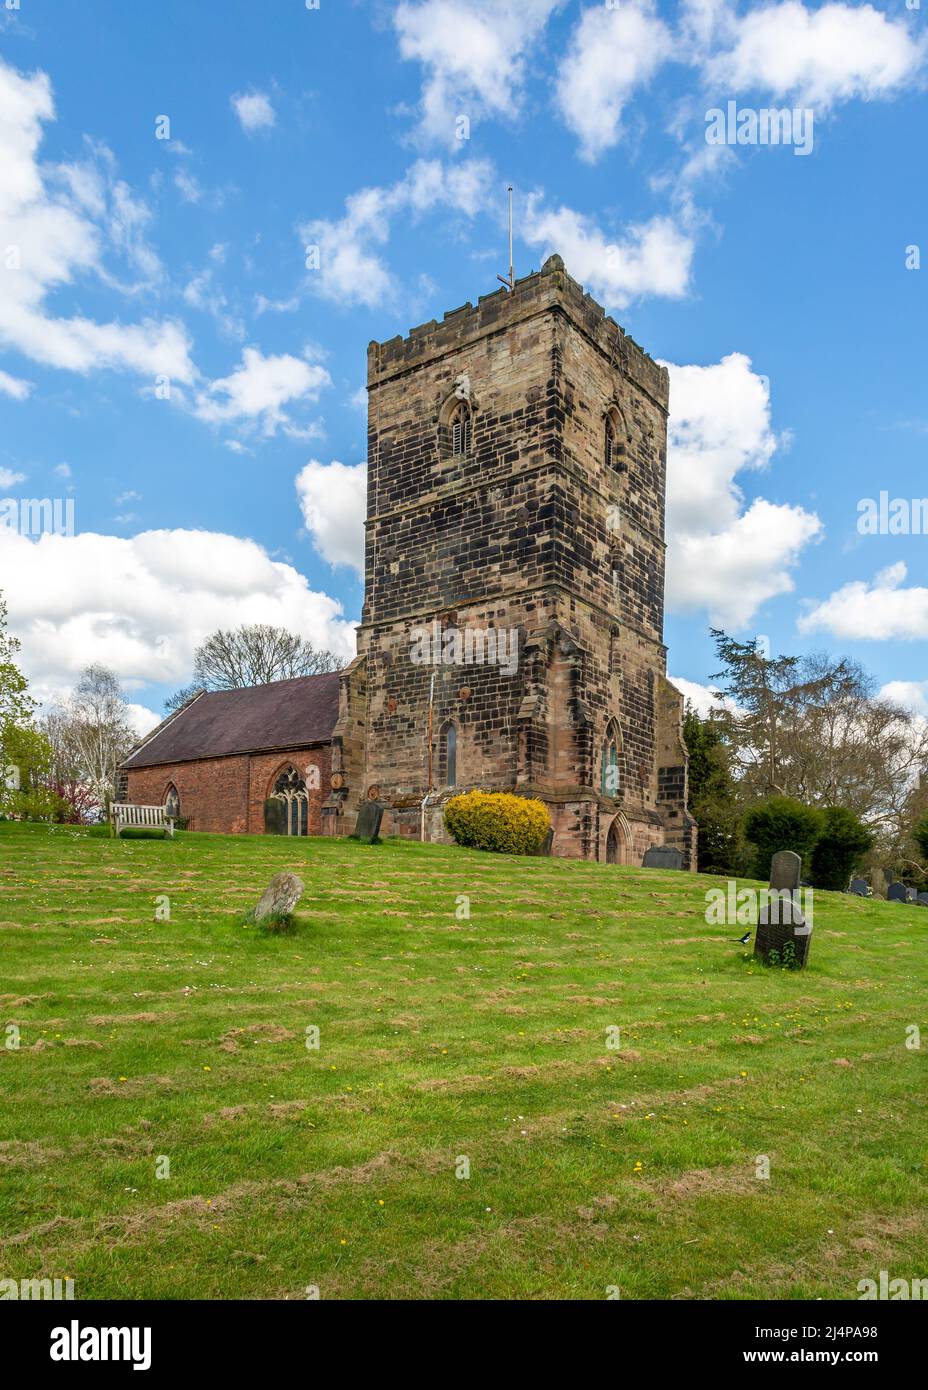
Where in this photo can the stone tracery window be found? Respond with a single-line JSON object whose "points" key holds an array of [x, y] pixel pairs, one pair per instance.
{"points": [[290, 788]]}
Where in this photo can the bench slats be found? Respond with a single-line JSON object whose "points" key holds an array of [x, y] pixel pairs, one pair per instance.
{"points": [[126, 813]]}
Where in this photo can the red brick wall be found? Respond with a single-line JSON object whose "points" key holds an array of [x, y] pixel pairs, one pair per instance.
{"points": [[227, 795]]}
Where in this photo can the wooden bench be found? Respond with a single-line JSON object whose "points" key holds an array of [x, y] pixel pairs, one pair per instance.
{"points": [[124, 814]]}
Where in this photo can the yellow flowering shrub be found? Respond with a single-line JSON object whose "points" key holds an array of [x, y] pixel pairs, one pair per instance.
{"points": [[497, 821]]}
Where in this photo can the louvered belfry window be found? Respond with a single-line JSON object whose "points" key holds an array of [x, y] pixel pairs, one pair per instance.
{"points": [[460, 431]]}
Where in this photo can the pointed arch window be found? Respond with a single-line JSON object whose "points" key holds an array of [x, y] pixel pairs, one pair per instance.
{"points": [[172, 802], [609, 764], [449, 754], [614, 442], [290, 788], [460, 430]]}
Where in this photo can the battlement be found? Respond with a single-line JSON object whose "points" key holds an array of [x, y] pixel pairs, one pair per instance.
{"points": [[549, 290]]}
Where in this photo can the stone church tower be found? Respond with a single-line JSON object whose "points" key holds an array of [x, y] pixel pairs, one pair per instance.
{"points": [[515, 517]]}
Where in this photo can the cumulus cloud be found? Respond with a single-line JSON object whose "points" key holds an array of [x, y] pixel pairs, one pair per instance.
{"points": [[724, 558], [350, 269], [9, 479], [652, 257], [823, 56], [612, 53], [254, 111], [473, 53], [702, 697], [55, 224], [876, 612], [333, 498], [911, 695], [257, 392], [141, 605]]}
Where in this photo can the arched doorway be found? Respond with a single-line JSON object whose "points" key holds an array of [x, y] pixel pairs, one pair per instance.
{"points": [[614, 844]]}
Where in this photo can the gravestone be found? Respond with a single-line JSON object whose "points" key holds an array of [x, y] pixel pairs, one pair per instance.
{"points": [[911, 896], [544, 849], [280, 897], [859, 887], [369, 818], [897, 893], [781, 926], [785, 870], [662, 857], [275, 816], [923, 899]]}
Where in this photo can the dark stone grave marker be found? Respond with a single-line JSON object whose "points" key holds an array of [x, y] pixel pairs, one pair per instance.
{"points": [[859, 887], [369, 818], [897, 893], [781, 926], [662, 857]]}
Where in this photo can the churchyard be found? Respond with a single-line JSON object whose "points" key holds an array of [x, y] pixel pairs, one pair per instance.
{"points": [[458, 1075]]}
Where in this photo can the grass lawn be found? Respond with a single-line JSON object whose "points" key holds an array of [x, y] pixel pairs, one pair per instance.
{"points": [[444, 1039]]}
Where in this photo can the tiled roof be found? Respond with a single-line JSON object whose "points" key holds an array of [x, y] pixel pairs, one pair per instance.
{"points": [[284, 714]]}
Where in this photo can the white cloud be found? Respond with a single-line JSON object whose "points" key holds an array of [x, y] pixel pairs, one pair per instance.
{"points": [[254, 111], [58, 219], [473, 53], [141, 605], [350, 269], [721, 558], [822, 56], [612, 52], [258, 390], [62, 470], [701, 696], [142, 719], [911, 695], [14, 386], [652, 257], [9, 479], [880, 611], [333, 498]]}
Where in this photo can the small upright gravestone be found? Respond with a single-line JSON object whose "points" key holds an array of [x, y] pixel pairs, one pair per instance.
{"points": [[859, 887], [544, 849], [897, 893], [911, 896], [780, 923], [369, 818], [923, 899], [662, 857], [280, 897], [275, 816]]}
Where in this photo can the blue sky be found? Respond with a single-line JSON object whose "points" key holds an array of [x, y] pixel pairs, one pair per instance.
{"points": [[169, 362]]}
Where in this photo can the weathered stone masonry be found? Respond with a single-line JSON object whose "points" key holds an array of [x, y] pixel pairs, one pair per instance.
{"points": [[537, 526]]}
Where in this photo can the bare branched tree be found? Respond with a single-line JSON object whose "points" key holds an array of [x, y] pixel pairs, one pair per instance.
{"points": [[97, 732], [256, 654]]}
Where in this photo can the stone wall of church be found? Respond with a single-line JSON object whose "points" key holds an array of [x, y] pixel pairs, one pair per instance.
{"points": [[227, 795], [532, 531]]}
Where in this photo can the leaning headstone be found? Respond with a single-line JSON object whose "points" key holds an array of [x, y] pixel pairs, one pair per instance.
{"points": [[860, 887], [782, 930], [662, 857], [275, 816], [897, 893], [368, 825], [280, 897], [785, 871]]}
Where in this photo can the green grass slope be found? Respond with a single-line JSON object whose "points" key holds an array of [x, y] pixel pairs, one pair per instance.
{"points": [[447, 1044]]}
